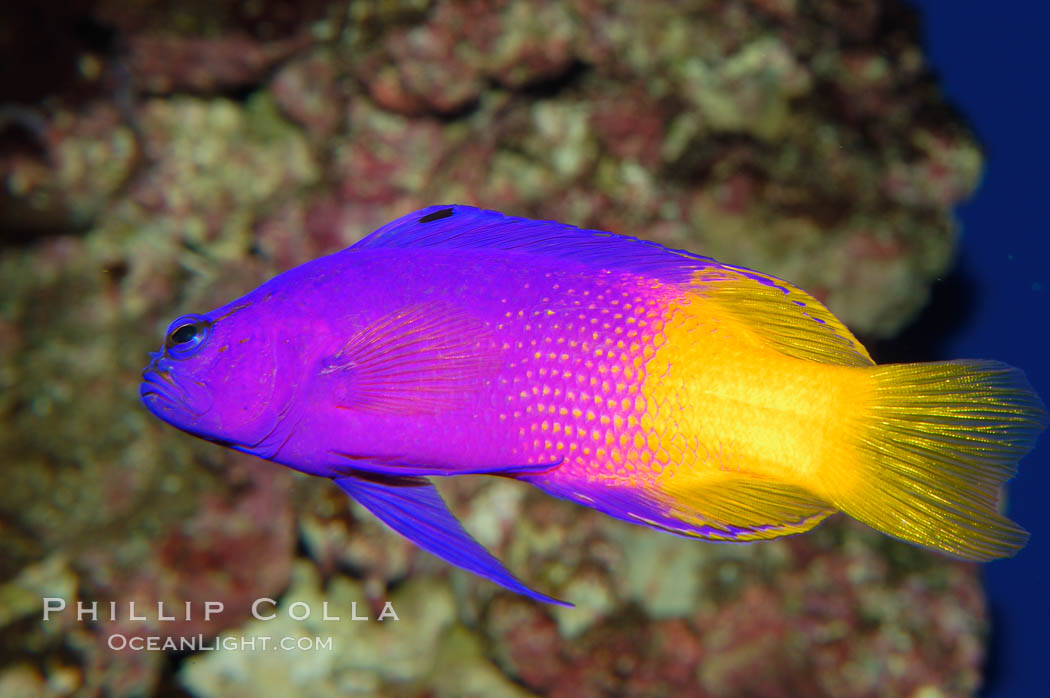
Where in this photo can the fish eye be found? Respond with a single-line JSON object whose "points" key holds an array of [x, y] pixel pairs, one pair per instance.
{"points": [[186, 336]]}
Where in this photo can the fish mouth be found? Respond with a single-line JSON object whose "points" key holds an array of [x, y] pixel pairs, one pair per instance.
{"points": [[160, 394], [157, 385], [166, 398]]}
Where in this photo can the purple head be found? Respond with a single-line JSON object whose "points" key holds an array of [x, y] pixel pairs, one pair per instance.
{"points": [[221, 376]]}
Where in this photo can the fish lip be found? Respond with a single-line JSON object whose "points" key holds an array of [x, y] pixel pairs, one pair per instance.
{"points": [[157, 397], [177, 399], [160, 385], [162, 395]]}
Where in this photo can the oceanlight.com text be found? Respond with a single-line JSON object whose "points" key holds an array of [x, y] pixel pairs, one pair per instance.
{"points": [[202, 643]]}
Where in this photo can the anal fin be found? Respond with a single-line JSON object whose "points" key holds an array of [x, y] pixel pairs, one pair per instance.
{"points": [[743, 510]]}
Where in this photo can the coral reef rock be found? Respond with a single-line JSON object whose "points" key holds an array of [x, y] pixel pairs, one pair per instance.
{"points": [[183, 153]]}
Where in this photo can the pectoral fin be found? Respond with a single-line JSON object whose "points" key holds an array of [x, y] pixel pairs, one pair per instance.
{"points": [[414, 508], [423, 359]]}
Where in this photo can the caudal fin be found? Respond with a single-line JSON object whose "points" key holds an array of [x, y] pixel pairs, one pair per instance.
{"points": [[934, 447]]}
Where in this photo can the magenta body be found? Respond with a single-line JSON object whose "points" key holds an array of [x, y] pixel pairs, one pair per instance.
{"points": [[424, 351]]}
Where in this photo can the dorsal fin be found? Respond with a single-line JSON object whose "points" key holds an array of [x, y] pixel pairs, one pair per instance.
{"points": [[787, 317], [465, 227]]}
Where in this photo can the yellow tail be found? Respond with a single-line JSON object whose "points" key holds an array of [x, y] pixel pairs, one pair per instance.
{"points": [[932, 450]]}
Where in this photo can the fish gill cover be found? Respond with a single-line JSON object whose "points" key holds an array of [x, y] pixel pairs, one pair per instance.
{"points": [[184, 156]]}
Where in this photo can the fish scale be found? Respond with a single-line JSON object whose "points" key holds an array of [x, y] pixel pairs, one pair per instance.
{"points": [[571, 387]]}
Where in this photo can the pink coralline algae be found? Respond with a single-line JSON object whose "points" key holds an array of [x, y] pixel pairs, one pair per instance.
{"points": [[200, 150], [442, 65], [166, 64], [798, 622]]}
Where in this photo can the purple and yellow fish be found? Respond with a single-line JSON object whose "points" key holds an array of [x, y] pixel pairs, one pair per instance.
{"points": [[657, 386]]}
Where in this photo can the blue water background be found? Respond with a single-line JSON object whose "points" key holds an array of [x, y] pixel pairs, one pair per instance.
{"points": [[993, 61]]}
